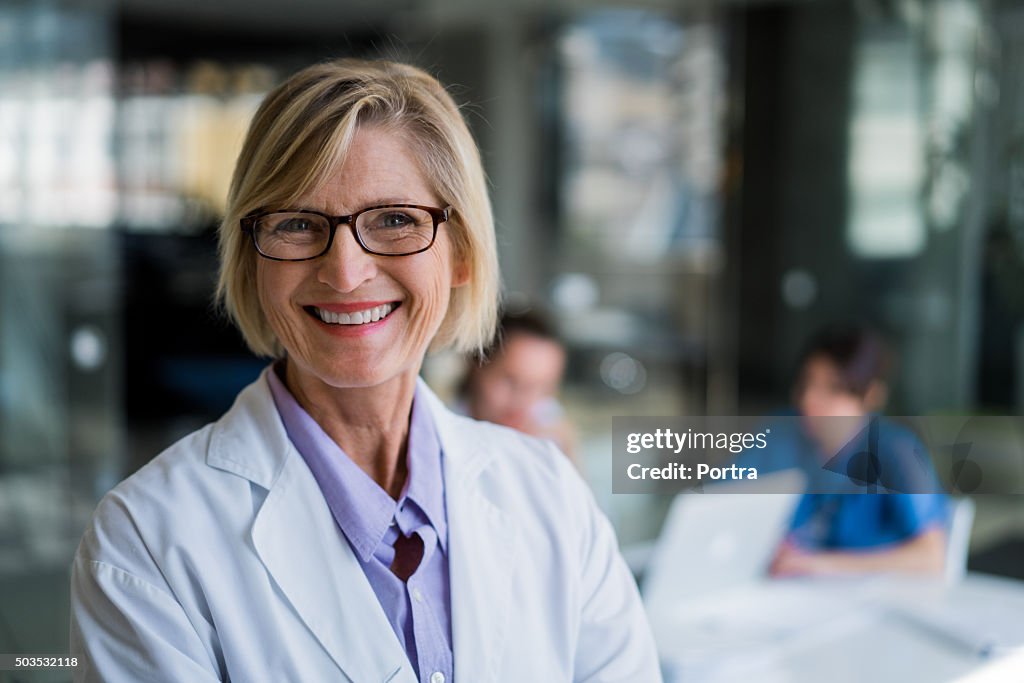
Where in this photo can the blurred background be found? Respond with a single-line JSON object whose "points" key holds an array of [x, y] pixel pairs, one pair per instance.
{"points": [[690, 188]]}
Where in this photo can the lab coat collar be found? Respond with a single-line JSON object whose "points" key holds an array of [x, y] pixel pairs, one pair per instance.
{"points": [[250, 439], [326, 585]]}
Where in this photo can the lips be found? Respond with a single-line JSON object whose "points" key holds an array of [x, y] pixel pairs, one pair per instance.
{"points": [[362, 315]]}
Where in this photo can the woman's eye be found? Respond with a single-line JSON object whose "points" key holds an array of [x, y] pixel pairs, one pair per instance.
{"points": [[394, 219], [293, 225]]}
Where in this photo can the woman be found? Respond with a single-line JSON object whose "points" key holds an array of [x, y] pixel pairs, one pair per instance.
{"points": [[338, 523], [841, 385]]}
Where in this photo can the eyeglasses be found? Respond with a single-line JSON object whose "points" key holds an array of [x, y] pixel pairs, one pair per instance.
{"points": [[302, 235]]}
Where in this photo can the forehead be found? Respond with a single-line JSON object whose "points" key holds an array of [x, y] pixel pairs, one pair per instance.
{"points": [[821, 368], [381, 166]]}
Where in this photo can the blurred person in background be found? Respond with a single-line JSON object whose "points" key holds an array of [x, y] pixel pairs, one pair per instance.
{"points": [[840, 388], [516, 381], [339, 523]]}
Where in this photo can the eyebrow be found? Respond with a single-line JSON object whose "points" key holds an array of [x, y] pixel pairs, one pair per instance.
{"points": [[380, 201]]}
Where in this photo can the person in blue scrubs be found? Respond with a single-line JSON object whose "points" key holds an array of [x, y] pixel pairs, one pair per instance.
{"points": [[888, 514]]}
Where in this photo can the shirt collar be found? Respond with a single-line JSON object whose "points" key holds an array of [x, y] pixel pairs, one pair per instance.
{"points": [[362, 509], [425, 483]]}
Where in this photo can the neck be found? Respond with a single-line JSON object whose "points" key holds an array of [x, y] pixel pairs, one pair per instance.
{"points": [[370, 424]]}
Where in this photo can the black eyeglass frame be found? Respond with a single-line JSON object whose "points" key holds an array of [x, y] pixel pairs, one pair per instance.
{"points": [[248, 224]]}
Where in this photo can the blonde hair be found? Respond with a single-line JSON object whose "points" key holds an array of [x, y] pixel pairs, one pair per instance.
{"points": [[301, 134]]}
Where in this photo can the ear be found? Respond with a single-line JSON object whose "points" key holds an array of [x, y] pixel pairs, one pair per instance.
{"points": [[460, 273]]}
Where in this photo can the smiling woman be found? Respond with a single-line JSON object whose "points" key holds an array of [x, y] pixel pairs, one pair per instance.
{"points": [[339, 523], [347, 279]]}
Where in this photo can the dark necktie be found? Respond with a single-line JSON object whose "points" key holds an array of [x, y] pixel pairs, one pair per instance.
{"points": [[408, 553]]}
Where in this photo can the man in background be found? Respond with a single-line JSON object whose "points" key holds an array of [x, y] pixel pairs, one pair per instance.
{"points": [[517, 380]]}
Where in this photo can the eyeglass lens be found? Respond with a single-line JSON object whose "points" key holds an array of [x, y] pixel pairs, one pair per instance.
{"points": [[385, 230]]}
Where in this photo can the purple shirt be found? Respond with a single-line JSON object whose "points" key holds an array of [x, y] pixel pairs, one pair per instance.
{"points": [[419, 610]]}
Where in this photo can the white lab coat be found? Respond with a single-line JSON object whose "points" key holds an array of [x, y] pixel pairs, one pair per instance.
{"points": [[220, 560]]}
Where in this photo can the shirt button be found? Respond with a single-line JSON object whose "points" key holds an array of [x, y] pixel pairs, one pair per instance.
{"points": [[417, 595], [437, 677]]}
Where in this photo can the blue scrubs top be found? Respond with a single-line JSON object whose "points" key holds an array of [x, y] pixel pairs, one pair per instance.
{"points": [[845, 512], [862, 521]]}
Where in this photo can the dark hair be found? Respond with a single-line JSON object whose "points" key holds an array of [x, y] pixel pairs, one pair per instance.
{"points": [[527, 321], [859, 352], [530, 321]]}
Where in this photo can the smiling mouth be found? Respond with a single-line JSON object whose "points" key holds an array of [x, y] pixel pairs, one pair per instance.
{"points": [[370, 315]]}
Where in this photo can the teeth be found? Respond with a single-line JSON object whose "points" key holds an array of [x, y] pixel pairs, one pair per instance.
{"points": [[358, 318]]}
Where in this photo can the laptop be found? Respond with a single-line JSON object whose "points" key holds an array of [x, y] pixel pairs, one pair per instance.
{"points": [[722, 538], [707, 590]]}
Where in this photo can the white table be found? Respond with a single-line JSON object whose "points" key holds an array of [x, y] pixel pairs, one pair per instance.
{"points": [[879, 629]]}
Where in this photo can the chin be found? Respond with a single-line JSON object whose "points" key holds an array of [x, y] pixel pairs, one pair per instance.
{"points": [[354, 373], [352, 377]]}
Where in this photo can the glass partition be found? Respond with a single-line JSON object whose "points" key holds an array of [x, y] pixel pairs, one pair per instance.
{"points": [[60, 411]]}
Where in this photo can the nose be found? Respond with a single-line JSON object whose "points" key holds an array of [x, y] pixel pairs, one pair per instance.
{"points": [[346, 265]]}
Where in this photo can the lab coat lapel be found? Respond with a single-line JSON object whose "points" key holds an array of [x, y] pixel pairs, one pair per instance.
{"points": [[297, 540], [483, 549]]}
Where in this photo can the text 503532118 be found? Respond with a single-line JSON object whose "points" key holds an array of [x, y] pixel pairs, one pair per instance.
{"points": [[9, 662]]}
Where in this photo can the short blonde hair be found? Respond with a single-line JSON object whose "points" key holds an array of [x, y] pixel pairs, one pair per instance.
{"points": [[301, 133]]}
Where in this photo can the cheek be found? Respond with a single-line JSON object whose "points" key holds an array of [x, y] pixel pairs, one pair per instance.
{"points": [[489, 391], [503, 394], [430, 284], [852, 406], [493, 390], [272, 287], [803, 400], [825, 403], [265, 286]]}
